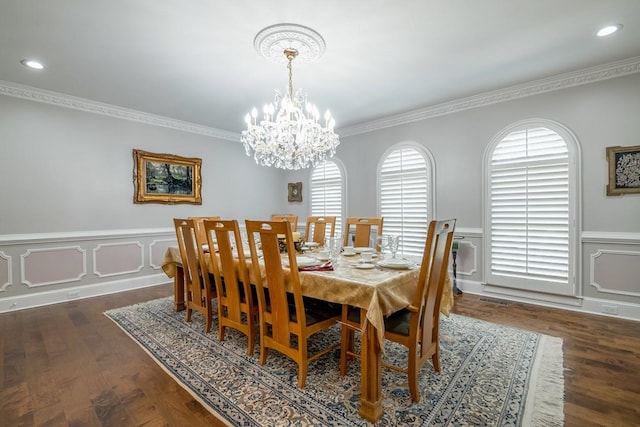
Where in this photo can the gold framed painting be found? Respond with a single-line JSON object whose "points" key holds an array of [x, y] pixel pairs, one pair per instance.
{"points": [[295, 192], [624, 170], [166, 178]]}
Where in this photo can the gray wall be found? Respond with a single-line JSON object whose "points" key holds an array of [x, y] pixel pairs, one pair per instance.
{"points": [[600, 114], [67, 170], [67, 192]]}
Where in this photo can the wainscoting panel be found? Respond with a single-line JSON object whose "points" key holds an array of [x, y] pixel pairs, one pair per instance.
{"points": [[616, 272], [50, 266], [467, 260], [157, 249], [113, 259], [57, 267], [5, 271]]}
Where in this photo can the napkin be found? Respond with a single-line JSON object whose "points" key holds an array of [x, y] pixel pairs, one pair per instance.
{"points": [[327, 266]]}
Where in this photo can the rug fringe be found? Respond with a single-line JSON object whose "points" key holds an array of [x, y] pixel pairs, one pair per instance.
{"points": [[547, 386]]}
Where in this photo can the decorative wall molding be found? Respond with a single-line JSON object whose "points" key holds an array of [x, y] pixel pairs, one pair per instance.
{"points": [[595, 306], [116, 257], [559, 82], [562, 81], [47, 265], [78, 236], [62, 100], [474, 257], [608, 290], [9, 278], [56, 296], [604, 237], [160, 257]]}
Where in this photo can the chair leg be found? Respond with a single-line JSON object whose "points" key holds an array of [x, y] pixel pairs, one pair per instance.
{"points": [[251, 340], [189, 310], [347, 338], [263, 353], [412, 374], [302, 364], [209, 321], [436, 359]]}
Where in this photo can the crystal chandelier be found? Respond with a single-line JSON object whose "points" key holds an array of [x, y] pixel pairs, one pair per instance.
{"points": [[291, 133]]}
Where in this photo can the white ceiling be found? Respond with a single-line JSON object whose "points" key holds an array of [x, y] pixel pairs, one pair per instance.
{"points": [[195, 61]]}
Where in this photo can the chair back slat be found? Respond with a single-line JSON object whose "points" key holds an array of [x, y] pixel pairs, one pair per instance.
{"points": [[290, 218], [236, 308], [362, 230], [433, 273], [316, 228]]}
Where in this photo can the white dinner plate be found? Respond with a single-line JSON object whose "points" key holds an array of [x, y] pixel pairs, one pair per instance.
{"points": [[398, 264], [364, 266], [305, 261], [361, 249], [348, 253], [312, 244]]}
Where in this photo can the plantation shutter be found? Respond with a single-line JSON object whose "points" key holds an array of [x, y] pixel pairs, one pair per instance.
{"points": [[529, 212], [403, 198], [327, 192]]}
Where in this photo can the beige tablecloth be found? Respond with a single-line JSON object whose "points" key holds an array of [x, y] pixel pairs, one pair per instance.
{"points": [[380, 291]]}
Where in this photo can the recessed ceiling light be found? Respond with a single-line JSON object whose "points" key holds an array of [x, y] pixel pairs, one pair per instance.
{"points": [[608, 30], [32, 64]]}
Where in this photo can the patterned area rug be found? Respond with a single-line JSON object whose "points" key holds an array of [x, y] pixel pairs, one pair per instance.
{"points": [[491, 375]]}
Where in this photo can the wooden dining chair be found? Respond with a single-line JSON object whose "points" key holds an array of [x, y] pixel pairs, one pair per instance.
{"points": [[285, 313], [358, 229], [316, 228], [292, 219], [417, 325], [236, 308], [198, 283], [199, 219]]}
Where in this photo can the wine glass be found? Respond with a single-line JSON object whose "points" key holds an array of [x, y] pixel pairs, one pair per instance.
{"points": [[394, 242], [382, 242]]}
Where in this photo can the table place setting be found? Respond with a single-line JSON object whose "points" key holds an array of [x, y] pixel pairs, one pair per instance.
{"points": [[397, 264]]}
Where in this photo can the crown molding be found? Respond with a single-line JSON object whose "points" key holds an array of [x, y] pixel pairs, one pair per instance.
{"points": [[61, 100], [559, 82], [550, 84]]}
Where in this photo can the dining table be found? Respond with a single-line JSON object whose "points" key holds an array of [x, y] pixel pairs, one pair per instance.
{"points": [[378, 290]]}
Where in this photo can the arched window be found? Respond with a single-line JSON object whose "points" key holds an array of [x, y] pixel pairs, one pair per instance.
{"points": [[405, 191], [327, 191], [531, 221]]}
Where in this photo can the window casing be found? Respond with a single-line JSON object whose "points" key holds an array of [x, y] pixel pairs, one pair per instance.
{"points": [[327, 192], [531, 210], [405, 189]]}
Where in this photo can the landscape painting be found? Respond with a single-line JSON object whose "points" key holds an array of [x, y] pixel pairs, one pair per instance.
{"points": [[166, 178]]}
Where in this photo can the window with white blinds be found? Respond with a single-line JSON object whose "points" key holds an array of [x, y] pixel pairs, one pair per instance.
{"points": [[404, 187], [530, 211], [327, 192]]}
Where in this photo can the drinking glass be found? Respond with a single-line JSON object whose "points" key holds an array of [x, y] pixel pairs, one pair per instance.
{"points": [[394, 241], [382, 242], [335, 247]]}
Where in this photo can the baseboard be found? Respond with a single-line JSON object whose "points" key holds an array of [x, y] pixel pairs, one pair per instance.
{"points": [[588, 305], [39, 299]]}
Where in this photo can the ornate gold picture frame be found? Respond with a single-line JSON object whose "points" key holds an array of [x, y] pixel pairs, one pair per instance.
{"points": [[295, 192], [166, 178], [624, 170]]}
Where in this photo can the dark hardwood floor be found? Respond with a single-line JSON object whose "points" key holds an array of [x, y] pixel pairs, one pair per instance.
{"points": [[69, 365]]}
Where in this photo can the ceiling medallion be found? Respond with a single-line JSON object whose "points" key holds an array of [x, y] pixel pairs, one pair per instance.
{"points": [[273, 40]]}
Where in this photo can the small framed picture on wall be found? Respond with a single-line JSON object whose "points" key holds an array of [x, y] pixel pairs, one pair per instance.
{"points": [[624, 170], [295, 192]]}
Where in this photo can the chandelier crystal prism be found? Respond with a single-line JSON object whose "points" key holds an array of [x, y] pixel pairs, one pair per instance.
{"points": [[291, 134]]}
